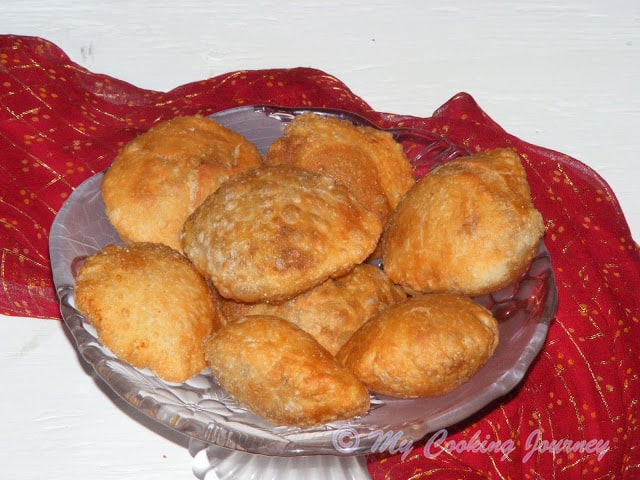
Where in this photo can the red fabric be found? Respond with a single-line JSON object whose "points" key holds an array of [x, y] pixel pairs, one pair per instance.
{"points": [[60, 124]]}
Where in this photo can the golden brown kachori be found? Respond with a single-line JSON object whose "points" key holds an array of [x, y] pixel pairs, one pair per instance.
{"points": [[281, 373], [469, 227], [162, 175], [425, 346], [368, 161], [149, 306], [273, 232], [332, 311]]}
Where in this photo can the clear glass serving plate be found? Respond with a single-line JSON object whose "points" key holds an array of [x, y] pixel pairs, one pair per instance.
{"points": [[201, 410]]}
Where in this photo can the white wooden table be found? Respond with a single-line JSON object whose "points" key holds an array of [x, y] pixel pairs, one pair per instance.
{"points": [[564, 75]]}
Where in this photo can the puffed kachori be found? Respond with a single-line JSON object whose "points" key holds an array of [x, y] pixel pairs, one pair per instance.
{"points": [[162, 175], [469, 227], [279, 372], [273, 232], [368, 161], [425, 346], [149, 306], [332, 311]]}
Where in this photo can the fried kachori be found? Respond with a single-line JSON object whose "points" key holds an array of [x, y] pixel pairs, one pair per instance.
{"points": [[162, 175], [469, 227], [281, 373], [425, 346], [332, 311], [273, 232], [149, 306], [368, 161]]}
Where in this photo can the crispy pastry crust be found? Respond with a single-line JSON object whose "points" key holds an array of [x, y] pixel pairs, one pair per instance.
{"points": [[468, 227], [281, 373], [332, 311], [149, 306], [276, 231], [425, 346], [369, 162], [162, 175]]}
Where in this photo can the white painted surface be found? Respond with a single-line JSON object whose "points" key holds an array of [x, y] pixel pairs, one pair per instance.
{"points": [[564, 75]]}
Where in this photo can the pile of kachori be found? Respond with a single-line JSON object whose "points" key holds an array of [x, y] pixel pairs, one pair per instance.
{"points": [[258, 269]]}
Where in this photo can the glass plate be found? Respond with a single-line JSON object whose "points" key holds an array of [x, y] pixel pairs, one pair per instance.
{"points": [[201, 410]]}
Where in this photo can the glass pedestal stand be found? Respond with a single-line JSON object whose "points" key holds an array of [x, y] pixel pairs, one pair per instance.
{"points": [[211, 462]]}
